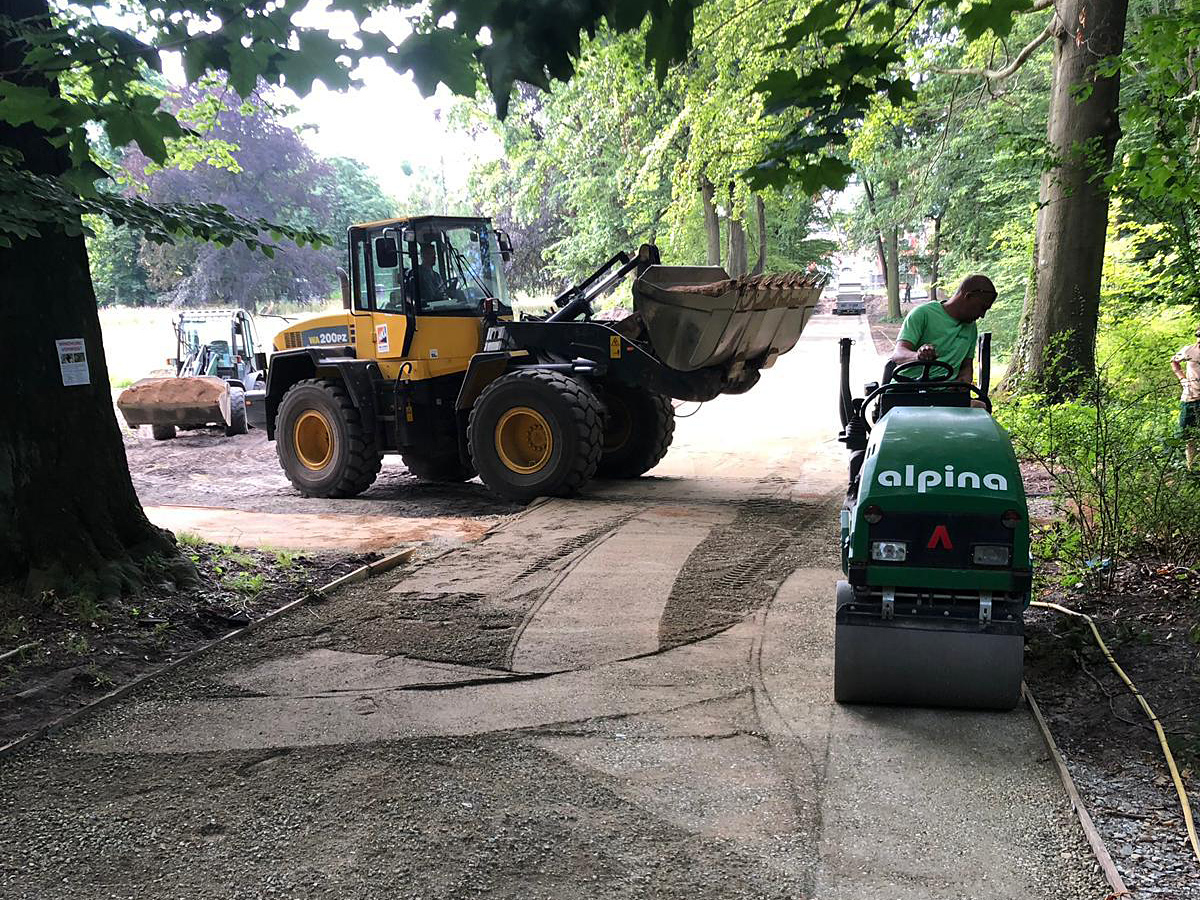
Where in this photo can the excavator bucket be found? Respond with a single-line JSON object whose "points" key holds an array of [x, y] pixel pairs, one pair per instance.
{"points": [[193, 400], [697, 316]]}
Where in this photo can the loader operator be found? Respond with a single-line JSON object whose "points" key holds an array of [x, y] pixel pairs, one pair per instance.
{"points": [[425, 283], [945, 330]]}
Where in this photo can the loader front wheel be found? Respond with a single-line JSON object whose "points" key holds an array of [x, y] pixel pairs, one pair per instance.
{"points": [[237, 413], [322, 445], [638, 428], [443, 467], [535, 433]]}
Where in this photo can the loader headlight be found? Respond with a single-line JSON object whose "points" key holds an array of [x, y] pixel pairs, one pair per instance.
{"points": [[991, 555], [889, 551]]}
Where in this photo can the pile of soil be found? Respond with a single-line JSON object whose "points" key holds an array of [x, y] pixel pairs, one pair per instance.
{"points": [[1150, 618], [76, 650]]}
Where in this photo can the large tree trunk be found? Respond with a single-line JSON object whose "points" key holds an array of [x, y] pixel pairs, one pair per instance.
{"points": [[937, 256], [760, 214], [1061, 320], [712, 225], [69, 518]]}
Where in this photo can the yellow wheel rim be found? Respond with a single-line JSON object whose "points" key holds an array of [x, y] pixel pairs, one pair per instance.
{"points": [[312, 436], [524, 441]]}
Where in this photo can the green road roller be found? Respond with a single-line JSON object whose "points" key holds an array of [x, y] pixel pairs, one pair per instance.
{"points": [[934, 544]]}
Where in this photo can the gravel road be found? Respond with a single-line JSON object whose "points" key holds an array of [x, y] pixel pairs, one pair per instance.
{"points": [[622, 695]]}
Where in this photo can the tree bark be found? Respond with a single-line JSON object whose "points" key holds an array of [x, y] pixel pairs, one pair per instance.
{"points": [[893, 272], [712, 225], [738, 262], [760, 213], [69, 518], [883, 263], [1083, 131]]}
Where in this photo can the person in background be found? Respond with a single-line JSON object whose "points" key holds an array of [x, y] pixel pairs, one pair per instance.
{"points": [[1186, 366]]}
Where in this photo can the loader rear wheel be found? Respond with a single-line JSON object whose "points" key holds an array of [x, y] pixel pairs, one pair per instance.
{"points": [[638, 428], [443, 467], [162, 432], [535, 433], [322, 445], [237, 413]]}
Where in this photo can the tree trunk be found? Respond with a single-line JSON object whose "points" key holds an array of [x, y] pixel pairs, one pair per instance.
{"points": [[738, 262], [712, 225], [69, 518], [883, 263], [1074, 199], [760, 212], [893, 272], [937, 256]]}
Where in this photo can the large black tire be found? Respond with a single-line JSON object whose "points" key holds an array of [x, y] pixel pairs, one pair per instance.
{"points": [[535, 433], [638, 428], [322, 445], [237, 413], [444, 467], [162, 432]]}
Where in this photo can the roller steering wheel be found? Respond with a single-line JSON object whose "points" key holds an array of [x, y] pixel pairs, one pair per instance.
{"points": [[945, 370]]}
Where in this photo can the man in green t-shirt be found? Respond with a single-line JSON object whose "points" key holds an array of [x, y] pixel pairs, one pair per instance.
{"points": [[945, 330]]}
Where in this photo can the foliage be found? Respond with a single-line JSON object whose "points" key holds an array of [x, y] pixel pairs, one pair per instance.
{"points": [[1113, 455], [254, 166], [1156, 175], [613, 159], [118, 276]]}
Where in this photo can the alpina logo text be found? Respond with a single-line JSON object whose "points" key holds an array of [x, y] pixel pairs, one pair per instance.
{"points": [[930, 478]]}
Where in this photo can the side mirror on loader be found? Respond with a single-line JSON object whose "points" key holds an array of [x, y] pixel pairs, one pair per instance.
{"points": [[386, 254]]}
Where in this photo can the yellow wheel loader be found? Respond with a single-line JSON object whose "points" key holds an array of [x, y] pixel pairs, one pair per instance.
{"points": [[425, 360], [217, 380]]}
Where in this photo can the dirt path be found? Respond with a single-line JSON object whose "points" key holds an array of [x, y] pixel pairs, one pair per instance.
{"points": [[621, 695]]}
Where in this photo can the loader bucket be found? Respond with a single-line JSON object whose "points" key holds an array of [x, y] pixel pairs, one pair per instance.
{"points": [[697, 316], [193, 400]]}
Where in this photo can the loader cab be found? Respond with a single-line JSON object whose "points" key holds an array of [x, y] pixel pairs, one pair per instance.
{"points": [[419, 291], [428, 266], [215, 342]]}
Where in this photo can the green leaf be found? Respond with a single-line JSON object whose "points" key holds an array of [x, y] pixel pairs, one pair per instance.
{"points": [[996, 16], [438, 57]]}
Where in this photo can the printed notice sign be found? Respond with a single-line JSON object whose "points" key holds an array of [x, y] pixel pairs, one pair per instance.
{"points": [[381, 339], [72, 360]]}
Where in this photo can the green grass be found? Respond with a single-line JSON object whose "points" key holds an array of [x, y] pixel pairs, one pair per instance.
{"points": [[77, 644], [187, 539], [285, 559], [245, 583]]}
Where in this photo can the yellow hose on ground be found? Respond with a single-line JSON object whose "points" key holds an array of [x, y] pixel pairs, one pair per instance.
{"points": [[1184, 802]]}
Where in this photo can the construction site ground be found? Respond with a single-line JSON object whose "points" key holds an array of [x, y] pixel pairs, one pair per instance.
{"points": [[625, 694]]}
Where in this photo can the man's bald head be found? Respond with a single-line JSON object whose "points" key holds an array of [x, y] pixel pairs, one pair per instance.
{"points": [[973, 298], [975, 284]]}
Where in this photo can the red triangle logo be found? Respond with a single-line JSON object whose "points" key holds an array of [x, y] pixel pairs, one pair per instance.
{"points": [[940, 536]]}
